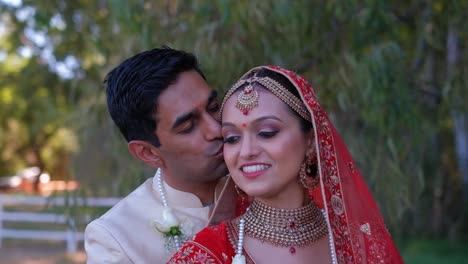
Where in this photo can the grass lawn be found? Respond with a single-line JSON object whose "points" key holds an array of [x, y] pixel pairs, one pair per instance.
{"points": [[434, 252]]}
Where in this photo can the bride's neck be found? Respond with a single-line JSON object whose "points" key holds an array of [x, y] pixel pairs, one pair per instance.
{"points": [[286, 201]]}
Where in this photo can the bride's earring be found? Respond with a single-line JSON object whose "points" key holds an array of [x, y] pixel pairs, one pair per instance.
{"points": [[308, 174], [242, 201]]}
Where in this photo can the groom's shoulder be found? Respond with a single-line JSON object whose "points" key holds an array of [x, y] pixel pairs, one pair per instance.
{"points": [[133, 204]]}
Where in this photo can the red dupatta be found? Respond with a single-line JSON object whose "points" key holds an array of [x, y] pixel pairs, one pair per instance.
{"points": [[359, 233]]}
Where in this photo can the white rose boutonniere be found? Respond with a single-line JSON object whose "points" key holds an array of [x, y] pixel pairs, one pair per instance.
{"points": [[175, 231], [169, 224]]}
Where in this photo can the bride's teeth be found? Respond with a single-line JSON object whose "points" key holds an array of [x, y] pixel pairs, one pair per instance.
{"points": [[254, 168]]}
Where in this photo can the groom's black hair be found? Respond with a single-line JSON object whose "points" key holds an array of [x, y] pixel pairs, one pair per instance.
{"points": [[134, 86]]}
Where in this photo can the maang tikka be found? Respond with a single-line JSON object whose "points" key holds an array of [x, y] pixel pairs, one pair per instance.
{"points": [[248, 97]]}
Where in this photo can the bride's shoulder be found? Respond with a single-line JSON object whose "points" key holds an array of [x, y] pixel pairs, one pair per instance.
{"points": [[210, 232], [208, 246]]}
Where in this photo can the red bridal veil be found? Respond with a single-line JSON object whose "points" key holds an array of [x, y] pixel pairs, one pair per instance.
{"points": [[359, 233]]}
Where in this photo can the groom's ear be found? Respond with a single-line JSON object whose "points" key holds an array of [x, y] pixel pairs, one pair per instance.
{"points": [[146, 152]]}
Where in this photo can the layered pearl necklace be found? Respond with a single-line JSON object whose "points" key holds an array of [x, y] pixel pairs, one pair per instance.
{"points": [[173, 241], [284, 228]]}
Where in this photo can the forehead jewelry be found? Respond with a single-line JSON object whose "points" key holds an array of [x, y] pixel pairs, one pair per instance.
{"points": [[248, 98]]}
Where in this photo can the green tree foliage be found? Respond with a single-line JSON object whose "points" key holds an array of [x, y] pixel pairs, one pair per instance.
{"points": [[390, 73]]}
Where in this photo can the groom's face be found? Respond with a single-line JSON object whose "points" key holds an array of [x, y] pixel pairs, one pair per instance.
{"points": [[189, 132]]}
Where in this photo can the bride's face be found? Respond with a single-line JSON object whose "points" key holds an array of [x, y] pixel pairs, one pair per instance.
{"points": [[264, 149]]}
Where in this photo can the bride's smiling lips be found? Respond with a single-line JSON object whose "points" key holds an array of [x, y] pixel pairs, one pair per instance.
{"points": [[253, 170]]}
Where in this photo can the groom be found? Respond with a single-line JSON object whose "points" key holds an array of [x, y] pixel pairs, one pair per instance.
{"points": [[162, 104]]}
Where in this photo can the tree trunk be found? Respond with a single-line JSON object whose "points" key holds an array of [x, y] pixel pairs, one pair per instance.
{"points": [[41, 165], [459, 118]]}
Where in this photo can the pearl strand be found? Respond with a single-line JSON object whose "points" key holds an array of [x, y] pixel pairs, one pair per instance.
{"points": [[330, 241], [239, 258], [165, 203], [240, 243]]}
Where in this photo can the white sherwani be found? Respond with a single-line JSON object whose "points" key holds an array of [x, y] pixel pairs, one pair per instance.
{"points": [[126, 234]]}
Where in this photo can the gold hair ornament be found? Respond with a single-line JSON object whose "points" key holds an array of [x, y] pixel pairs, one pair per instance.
{"points": [[248, 98]]}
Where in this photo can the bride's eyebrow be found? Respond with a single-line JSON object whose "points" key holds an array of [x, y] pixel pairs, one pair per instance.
{"points": [[229, 124], [267, 117]]}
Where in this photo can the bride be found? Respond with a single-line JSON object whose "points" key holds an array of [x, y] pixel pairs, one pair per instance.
{"points": [[309, 203]]}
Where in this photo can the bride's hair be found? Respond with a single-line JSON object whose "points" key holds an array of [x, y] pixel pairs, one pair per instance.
{"points": [[306, 126]]}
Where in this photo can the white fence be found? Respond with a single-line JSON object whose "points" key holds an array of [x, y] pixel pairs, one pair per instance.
{"points": [[70, 234]]}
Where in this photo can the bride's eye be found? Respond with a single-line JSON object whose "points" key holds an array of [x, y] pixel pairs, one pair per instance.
{"points": [[267, 134], [230, 139]]}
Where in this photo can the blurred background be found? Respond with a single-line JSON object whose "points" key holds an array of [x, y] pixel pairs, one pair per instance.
{"points": [[391, 74]]}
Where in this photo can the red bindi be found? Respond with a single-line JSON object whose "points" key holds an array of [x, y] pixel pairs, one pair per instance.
{"points": [[244, 124], [199, 105]]}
